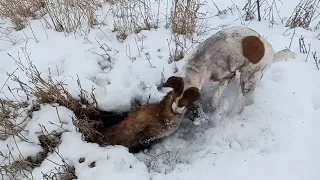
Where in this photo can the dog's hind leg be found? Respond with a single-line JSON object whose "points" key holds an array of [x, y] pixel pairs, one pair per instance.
{"points": [[248, 82]]}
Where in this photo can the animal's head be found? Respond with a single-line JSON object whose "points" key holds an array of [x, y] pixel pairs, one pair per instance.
{"points": [[186, 99]]}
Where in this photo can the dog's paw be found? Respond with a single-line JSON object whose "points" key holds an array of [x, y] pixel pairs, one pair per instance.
{"points": [[212, 107], [236, 111]]}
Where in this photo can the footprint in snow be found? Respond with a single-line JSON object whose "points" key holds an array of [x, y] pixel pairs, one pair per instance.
{"points": [[235, 145], [316, 101], [277, 78], [100, 35], [277, 70]]}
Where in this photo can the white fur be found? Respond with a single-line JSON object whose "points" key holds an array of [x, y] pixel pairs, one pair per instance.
{"points": [[220, 56], [177, 109], [283, 55]]}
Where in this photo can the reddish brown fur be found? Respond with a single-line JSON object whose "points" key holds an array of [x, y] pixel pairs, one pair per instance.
{"points": [[189, 96], [176, 83], [253, 49], [149, 122]]}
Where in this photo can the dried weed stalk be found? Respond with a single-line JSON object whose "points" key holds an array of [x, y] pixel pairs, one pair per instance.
{"points": [[48, 143], [184, 16], [64, 15], [251, 8], [134, 16], [47, 91], [264, 9], [111, 1], [23, 167], [70, 15], [89, 129], [63, 172], [9, 111], [304, 14], [316, 60], [177, 53]]}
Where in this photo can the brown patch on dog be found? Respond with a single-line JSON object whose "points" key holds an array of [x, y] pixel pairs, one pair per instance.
{"points": [[148, 122], [253, 49], [176, 83], [189, 96]]}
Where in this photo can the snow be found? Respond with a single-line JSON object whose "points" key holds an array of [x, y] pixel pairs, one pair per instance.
{"points": [[113, 162], [54, 119], [275, 137]]}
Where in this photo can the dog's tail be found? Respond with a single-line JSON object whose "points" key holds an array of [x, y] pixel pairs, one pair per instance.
{"points": [[283, 55]]}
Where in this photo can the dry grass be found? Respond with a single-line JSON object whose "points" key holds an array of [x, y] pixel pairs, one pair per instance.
{"points": [[19, 10], [71, 15], [184, 16], [48, 143], [24, 167], [111, 1], [267, 10], [62, 15], [133, 16], [251, 8], [178, 52], [89, 131], [47, 91], [303, 14], [64, 172], [9, 111], [89, 118]]}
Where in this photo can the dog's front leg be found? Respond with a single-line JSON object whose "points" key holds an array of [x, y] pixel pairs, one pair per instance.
{"points": [[217, 94], [240, 100]]}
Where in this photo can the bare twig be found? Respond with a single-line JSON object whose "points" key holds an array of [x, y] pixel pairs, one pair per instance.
{"points": [[294, 32], [309, 45], [314, 54]]}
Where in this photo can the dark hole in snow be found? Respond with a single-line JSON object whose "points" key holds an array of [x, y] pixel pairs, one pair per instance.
{"points": [[93, 123], [93, 164], [107, 118], [81, 160]]}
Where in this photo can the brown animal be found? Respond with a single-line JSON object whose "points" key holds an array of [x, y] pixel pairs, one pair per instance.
{"points": [[146, 124]]}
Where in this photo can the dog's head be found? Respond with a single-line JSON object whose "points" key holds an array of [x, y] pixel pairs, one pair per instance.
{"points": [[187, 100]]}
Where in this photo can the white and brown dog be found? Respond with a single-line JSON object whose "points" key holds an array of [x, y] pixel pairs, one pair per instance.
{"points": [[218, 58]]}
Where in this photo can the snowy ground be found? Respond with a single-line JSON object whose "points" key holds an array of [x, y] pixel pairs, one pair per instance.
{"points": [[276, 136]]}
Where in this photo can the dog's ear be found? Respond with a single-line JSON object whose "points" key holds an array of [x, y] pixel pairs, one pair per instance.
{"points": [[189, 96], [176, 83]]}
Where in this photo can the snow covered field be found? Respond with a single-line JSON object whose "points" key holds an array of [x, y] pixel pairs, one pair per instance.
{"points": [[275, 138]]}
